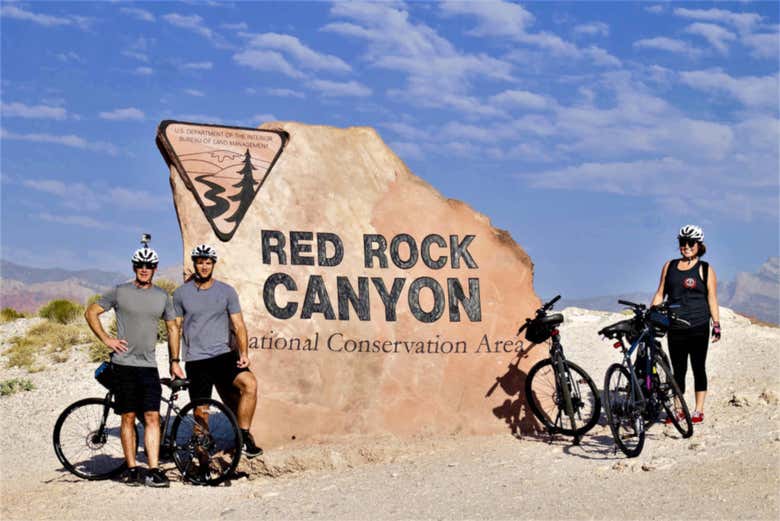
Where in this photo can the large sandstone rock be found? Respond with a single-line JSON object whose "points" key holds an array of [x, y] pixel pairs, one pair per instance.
{"points": [[347, 182]]}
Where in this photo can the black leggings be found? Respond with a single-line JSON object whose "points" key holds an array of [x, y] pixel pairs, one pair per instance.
{"points": [[693, 342]]}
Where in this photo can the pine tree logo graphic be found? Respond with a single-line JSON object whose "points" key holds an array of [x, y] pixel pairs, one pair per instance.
{"points": [[224, 167]]}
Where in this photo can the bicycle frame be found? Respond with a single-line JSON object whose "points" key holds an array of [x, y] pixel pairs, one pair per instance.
{"points": [[563, 379], [627, 352]]}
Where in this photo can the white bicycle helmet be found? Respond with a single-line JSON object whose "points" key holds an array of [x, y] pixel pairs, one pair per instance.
{"points": [[691, 231], [145, 254], [204, 251]]}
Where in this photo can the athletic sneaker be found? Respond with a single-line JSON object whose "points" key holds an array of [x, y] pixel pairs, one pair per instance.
{"points": [[133, 477], [156, 478], [680, 418], [250, 449], [698, 417]]}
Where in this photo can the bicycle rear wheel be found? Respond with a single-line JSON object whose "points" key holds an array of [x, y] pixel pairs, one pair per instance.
{"points": [[623, 409], [86, 439], [668, 393], [545, 398], [206, 442]]}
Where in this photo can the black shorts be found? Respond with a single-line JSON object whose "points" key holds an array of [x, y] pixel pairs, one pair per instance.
{"points": [[137, 389], [220, 370]]}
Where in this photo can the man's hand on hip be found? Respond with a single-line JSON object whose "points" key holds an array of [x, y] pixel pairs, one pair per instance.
{"points": [[117, 345], [243, 361]]}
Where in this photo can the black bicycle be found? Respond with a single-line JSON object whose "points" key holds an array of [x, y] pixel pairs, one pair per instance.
{"points": [[560, 393], [636, 392], [204, 440]]}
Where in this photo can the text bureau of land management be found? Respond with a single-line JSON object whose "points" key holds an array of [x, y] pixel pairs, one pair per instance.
{"points": [[340, 343]]}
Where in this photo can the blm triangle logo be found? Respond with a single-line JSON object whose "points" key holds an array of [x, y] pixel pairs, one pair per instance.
{"points": [[224, 167]]}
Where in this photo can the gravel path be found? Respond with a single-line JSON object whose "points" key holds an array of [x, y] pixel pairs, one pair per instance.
{"points": [[729, 469]]}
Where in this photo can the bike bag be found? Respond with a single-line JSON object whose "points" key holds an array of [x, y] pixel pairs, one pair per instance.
{"points": [[104, 374]]}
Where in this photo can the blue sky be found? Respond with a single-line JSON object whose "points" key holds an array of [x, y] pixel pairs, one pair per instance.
{"points": [[590, 131]]}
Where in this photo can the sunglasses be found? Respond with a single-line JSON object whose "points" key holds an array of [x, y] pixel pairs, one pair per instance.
{"points": [[147, 265], [687, 242]]}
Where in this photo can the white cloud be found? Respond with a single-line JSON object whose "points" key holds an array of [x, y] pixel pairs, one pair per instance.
{"points": [[340, 89], [75, 220], [135, 55], [267, 61], [305, 56], [437, 74], [69, 57], [520, 98], [125, 114], [662, 43], [592, 29], [191, 22], [20, 110], [194, 92], [197, 66], [262, 118], [601, 57], [716, 35], [93, 197], [751, 91], [744, 22], [407, 150], [762, 45], [69, 140], [140, 14], [655, 9], [143, 71], [493, 18], [18, 13], [285, 93], [406, 131]]}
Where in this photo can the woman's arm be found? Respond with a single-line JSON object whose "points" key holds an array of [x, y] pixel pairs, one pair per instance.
{"points": [[659, 294], [712, 300]]}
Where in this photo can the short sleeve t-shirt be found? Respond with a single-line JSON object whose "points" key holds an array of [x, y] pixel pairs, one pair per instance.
{"points": [[138, 311], [206, 313]]}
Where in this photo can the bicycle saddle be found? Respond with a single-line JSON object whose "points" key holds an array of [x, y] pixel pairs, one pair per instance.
{"points": [[551, 320], [177, 384], [618, 329]]}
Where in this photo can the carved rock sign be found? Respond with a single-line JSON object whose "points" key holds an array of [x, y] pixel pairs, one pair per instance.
{"points": [[374, 305]]}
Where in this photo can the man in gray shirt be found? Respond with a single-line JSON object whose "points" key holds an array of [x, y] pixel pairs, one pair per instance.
{"points": [[139, 306], [206, 309]]}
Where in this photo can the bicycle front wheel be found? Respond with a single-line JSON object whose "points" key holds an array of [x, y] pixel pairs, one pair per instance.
{"points": [[671, 398], [87, 442], [623, 407], [206, 442], [544, 391]]}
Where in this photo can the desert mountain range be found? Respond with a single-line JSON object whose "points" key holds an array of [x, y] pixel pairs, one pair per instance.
{"points": [[26, 289]]}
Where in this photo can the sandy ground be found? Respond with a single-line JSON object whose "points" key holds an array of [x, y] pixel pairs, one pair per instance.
{"points": [[729, 469]]}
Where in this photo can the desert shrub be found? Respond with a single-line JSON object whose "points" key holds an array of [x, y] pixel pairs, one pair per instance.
{"points": [[21, 354], [15, 385], [93, 299], [169, 286], [10, 314], [61, 311], [97, 351], [47, 338]]}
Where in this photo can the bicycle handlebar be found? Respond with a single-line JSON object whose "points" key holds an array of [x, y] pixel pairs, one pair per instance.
{"points": [[539, 312], [631, 304]]}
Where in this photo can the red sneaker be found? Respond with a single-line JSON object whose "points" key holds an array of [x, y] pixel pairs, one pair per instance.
{"points": [[698, 417], [680, 418]]}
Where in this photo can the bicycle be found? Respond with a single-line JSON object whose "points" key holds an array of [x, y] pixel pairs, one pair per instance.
{"points": [[635, 393], [560, 393], [204, 440]]}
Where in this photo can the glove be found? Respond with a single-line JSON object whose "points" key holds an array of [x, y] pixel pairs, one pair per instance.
{"points": [[716, 330]]}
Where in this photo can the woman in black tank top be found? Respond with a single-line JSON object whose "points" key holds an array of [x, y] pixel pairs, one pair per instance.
{"points": [[691, 283]]}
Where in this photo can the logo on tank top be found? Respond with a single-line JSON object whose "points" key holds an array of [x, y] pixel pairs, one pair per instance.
{"points": [[689, 283]]}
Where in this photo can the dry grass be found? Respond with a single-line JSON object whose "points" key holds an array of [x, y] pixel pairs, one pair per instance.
{"points": [[15, 385], [45, 342], [9, 315]]}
